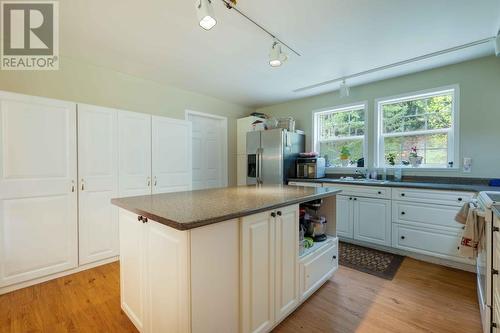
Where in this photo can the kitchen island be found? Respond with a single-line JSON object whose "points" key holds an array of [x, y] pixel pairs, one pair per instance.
{"points": [[221, 260]]}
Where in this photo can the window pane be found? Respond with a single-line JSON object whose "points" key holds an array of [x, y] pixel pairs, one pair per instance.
{"points": [[419, 114], [433, 148], [341, 124], [332, 149]]}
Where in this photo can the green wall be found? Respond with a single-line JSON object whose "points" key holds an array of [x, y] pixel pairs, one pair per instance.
{"points": [[479, 82], [84, 83]]}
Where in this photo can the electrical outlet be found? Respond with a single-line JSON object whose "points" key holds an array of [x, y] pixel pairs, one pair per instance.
{"points": [[467, 164]]}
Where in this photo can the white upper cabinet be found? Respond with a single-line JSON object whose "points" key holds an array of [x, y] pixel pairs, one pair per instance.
{"points": [[172, 155], [98, 183], [38, 179], [134, 147]]}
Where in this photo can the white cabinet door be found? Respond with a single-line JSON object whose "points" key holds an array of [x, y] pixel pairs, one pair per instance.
{"points": [[98, 183], [344, 211], [167, 282], [134, 153], [372, 220], [38, 197], [172, 159], [287, 261], [132, 257], [257, 272]]}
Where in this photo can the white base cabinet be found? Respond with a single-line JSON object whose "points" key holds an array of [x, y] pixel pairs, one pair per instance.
{"points": [[364, 219], [191, 281]]}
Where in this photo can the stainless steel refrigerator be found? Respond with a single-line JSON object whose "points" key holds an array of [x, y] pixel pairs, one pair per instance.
{"points": [[272, 156]]}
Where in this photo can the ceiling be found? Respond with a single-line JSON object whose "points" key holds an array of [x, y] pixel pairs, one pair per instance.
{"points": [[160, 40]]}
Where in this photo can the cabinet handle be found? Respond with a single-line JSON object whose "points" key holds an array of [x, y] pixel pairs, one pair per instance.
{"points": [[144, 220], [139, 218], [350, 198], [402, 237], [402, 194], [149, 181], [355, 199], [334, 257], [279, 213], [156, 181], [379, 192], [273, 214], [460, 199], [403, 213], [72, 186], [83, 184]]}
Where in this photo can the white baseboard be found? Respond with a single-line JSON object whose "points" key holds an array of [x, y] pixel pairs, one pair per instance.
{"points": [[8, 289], [418, 256]]}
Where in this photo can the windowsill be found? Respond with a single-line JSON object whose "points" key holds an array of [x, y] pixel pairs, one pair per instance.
{"points": [[404, 168]]}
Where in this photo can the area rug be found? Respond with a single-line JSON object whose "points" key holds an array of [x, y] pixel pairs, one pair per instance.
{"points": [[371, 261]]}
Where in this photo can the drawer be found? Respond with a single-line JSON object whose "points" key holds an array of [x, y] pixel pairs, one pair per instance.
{"points": [[432, 196], [432, 242], [317, 269], [419, 213], [362, 191], [305, 184]]}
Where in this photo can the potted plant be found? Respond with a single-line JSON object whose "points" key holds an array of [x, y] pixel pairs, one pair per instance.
{"points": [[391, 159], [415, 160], [345, 153]]}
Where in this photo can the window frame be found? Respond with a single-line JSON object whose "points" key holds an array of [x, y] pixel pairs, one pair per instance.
{"points": [[341, 108], [453, 132]]}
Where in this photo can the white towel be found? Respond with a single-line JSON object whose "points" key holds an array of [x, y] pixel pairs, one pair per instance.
{"points": [[471, 242]]}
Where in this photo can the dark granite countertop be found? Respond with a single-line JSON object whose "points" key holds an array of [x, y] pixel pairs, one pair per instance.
{"points": [[192, 209], [473, 187]]}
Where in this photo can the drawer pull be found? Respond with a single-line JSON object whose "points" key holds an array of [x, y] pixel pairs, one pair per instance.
{"points": [[144, 220], [350, 198], [379, 192], [403, 213], [402, 194], [334, 257], [402, 237], [495, 229], [355, 199], [273, 214], [139, 218], [494, 271], [460, 199]]}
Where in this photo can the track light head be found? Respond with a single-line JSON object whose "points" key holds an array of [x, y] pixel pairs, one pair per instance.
{"points": [[276, 56], [344, 89], [205, 14]]}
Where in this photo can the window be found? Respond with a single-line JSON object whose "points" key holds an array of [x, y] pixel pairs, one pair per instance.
{"points": [[340, 134], [418, 127]]}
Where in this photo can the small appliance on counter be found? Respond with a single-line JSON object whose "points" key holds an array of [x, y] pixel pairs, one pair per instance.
{"points": [[311, 167], [311, 222]]}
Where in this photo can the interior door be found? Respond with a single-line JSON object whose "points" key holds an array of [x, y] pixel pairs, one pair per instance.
{"points": [[257, 272], [134, 154], [98, 183], [287, 261], [209, 152], [38, 197], [344, 212], [172, 155], [372, 220], [272, 156]]}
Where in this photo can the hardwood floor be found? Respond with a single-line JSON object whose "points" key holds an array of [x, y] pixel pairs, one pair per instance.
{"points": [[421, 298]]}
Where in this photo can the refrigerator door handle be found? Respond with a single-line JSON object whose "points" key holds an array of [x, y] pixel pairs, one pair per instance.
{"points": [[259, 165]]}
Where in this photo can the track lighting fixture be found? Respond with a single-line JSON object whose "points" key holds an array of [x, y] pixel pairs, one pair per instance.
{"points": [[276, 56], [344, 89], [206, 15], [207, 21]]}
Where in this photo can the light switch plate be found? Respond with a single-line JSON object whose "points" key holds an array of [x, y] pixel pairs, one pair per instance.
{"points": [[467, 164]]}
